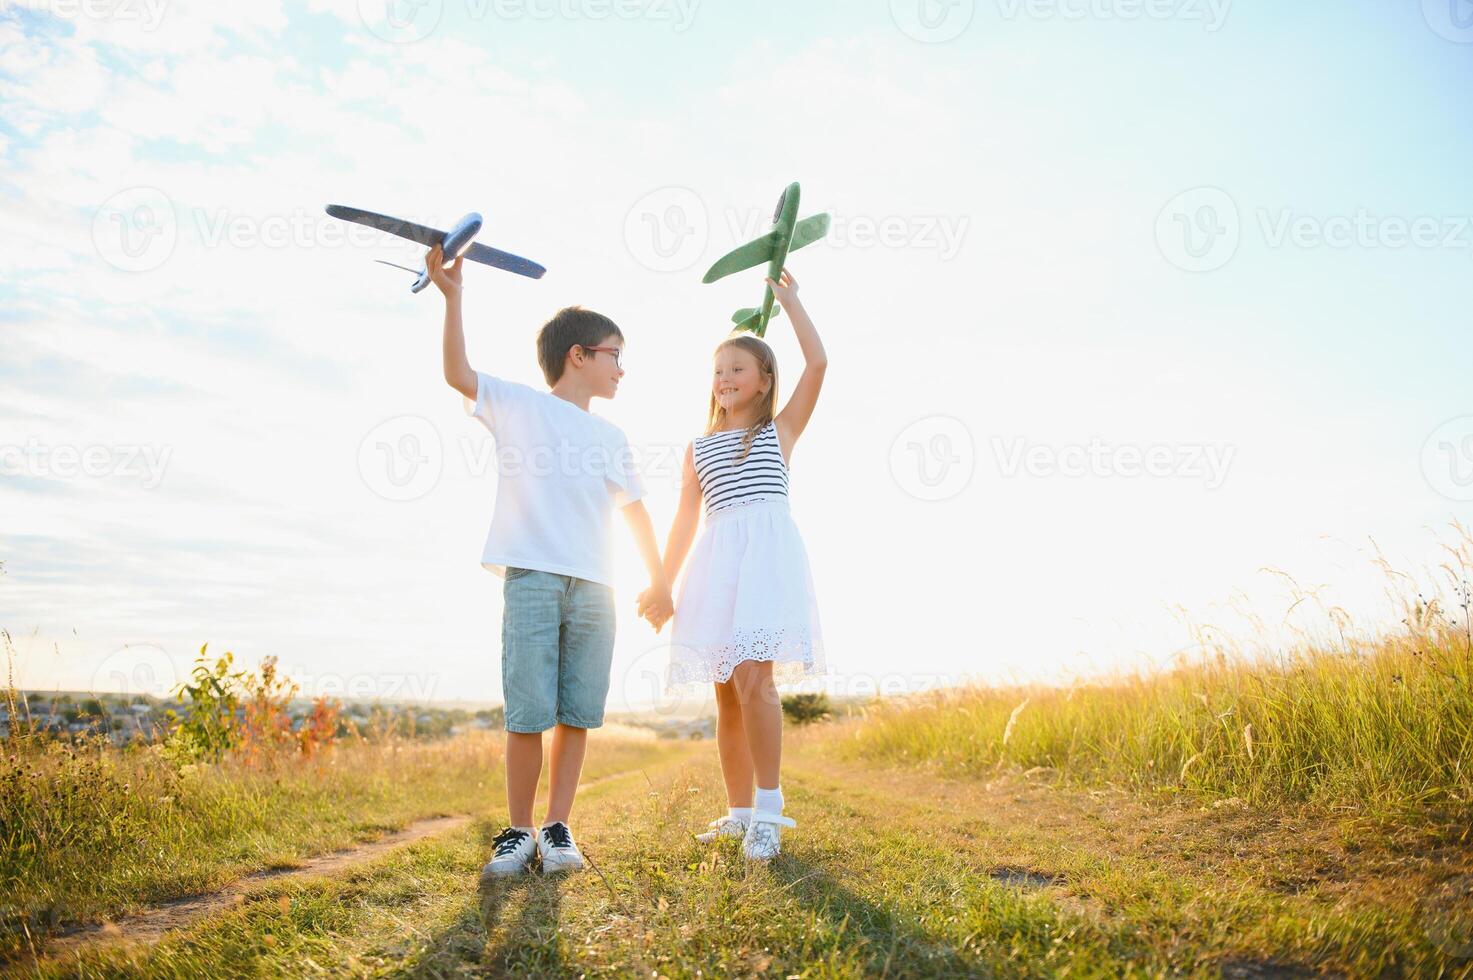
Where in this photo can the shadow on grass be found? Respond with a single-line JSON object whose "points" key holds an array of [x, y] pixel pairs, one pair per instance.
{"points": [[527, 946], [894, 944]]}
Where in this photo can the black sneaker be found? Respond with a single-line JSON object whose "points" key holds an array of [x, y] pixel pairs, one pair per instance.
{"points": [[558, 851]]}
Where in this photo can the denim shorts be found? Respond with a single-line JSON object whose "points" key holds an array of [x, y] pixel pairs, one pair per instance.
{"points": [[557, 647]]}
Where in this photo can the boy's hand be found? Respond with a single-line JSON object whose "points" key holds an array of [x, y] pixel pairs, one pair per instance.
{"points": [[448, 279], [656, 605], [785, 289]]}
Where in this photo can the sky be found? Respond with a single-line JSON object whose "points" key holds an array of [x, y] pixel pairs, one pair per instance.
{"points": [[1128, 303]]}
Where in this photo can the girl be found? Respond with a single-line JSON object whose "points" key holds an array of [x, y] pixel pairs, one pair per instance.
{"points": [[746, 608]]}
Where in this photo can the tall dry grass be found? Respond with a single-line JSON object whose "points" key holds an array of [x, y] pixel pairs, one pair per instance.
{"points": [[1377, 723]]}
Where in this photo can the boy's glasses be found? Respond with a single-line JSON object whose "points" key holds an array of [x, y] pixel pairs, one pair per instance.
{"points": [[618, 353]]}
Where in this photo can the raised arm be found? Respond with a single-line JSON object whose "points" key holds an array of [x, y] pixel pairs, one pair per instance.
{"points": [[458, 373], [793, 419]]}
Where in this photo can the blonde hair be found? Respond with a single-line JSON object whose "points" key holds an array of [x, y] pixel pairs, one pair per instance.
{"points": [[767, 408]]}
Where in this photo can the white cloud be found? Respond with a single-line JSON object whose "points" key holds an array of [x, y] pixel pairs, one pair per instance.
{"points": [[133, 26], [263, 349], [54, 78]]}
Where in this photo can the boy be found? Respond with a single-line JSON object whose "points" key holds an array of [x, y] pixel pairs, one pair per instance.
{"points": [[561, 470]]}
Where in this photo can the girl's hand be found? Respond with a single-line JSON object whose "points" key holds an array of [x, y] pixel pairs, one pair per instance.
{"points": [[786, 289], [448, 279], [656, 605]]}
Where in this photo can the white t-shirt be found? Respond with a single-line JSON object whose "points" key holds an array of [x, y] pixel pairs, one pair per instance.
{"points": [[561, 472]]}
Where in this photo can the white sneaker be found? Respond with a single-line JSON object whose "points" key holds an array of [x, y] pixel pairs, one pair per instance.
{"points": [[559, 853], [727, 826], [511, 855], [761, 841]]}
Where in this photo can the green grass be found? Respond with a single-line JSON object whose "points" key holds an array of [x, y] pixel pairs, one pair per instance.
{"points": [[660, 909], [889, 874], [89, 832]]}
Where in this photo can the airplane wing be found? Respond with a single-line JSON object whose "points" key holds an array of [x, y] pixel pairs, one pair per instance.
{"points": [[809, 230], [760, 250], [753, 253], [394, 226], [486, 255]]}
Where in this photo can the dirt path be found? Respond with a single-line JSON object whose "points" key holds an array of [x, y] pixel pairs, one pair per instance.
{"points": [[150, 925], [891, 872]]}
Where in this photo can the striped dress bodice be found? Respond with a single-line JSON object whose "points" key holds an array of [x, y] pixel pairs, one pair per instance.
{"points": [[725, 482]]}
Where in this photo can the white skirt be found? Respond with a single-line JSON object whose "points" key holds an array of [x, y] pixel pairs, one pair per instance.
{"points": [[747, 594]]}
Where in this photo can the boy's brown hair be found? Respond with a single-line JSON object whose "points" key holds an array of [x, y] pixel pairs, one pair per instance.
{"points": [[570, 327]]}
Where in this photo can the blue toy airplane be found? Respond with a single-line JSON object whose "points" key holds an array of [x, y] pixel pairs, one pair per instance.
{"points": [[458, 241], [788, 235]]}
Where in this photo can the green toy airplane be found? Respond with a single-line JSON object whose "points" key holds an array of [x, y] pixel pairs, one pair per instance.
{"points": [[788, 235]]}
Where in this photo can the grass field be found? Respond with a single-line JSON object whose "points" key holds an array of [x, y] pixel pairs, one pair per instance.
{"points": [[92, 832], [891, 872], [1387, 732], [1231, 818]]}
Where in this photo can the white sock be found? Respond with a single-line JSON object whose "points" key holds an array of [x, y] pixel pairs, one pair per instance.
{"points": [[530, 830], [769, 800], [743, 813]]}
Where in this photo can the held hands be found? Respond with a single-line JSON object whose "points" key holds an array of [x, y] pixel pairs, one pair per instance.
{"points": [[447, 278], [785, 289], [656, 605]]}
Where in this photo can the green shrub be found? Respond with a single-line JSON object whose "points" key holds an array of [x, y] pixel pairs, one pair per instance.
{"points": [[804, 709]]}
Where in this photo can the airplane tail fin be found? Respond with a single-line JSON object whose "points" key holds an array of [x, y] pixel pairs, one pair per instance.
{"points": [[422, 275], [749, 317], [746, 320]]}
